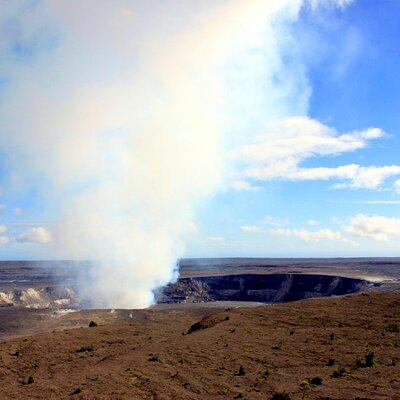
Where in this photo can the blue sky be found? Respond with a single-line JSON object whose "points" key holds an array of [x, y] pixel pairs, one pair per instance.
{"points": [[326, 80], [353, 65]]}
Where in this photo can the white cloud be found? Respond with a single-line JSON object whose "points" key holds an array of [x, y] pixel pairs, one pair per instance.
{"points": [[340, 3], [297, 138], [288, 142], [3, 239], [269, 220], [397, 186], [241, 185], [251, 228], [375, 202], [312, 222], [375, 227], [35, 235], [309, 236], [353, 175], [27, 223]]}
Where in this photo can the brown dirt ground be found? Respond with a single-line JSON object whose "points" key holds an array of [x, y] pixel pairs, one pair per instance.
{"points": [[280, 348]]}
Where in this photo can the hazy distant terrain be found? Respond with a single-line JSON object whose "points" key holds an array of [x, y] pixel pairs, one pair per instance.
{"points": [[379, 268], [23, 274]]}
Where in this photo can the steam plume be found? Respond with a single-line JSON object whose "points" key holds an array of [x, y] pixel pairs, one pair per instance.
{"points": [[119, 112]]}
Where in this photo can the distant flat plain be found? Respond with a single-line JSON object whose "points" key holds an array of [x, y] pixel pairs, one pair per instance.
{"points": [[23, 274]]}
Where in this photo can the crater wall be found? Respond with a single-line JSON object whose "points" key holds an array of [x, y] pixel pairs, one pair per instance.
{"points": [[265, 288]]}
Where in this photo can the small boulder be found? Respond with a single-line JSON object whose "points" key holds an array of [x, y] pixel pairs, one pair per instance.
{"points": [[76, 391], [241, 371], [92, 324], [207, 322], [27, 381], [84, 349]]}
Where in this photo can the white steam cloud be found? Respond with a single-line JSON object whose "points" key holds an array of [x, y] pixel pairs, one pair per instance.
{"points": [[117, 112]]}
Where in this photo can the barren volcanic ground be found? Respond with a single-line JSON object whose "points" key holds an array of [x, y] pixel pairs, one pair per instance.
{"points": [[202, 342], [332, 348]]}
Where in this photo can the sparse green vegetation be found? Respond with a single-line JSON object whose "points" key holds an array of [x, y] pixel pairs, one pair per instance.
{"points": [[241, 371], [316, 381], [278, 346], [359, 364], [393, 328], [341, 370], [281, 396], [370, 359], [76, 391], [154, 358], [84, 349], [27, 381]]}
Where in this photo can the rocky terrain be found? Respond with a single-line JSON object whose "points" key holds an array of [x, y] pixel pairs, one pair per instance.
{"points": [[55, 284], [264, 288], [329, 348], [380, 269], [42, 285]]}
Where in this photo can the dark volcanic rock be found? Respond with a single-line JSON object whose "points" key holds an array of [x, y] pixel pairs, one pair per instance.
{"points": [[76, 391], [207, 322], [192, 289], [84, 349], [265, 288]]}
